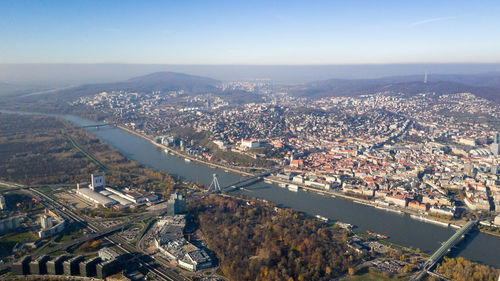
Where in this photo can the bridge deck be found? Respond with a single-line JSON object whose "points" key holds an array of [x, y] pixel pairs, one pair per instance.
{"points": [[451, 242], [249, 179], [97, 125], [439, 253]]}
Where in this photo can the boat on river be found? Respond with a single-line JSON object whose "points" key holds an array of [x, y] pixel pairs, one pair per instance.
{"points": [[293, 187], [377, 235]]}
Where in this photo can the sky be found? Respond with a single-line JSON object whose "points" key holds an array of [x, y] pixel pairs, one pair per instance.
{"points": [[249, 32]]}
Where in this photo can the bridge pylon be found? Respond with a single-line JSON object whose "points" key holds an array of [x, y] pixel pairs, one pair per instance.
{"points": [[215, 186]]}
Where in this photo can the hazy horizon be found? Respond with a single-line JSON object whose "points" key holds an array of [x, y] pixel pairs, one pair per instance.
{"points": [[75, 74]]}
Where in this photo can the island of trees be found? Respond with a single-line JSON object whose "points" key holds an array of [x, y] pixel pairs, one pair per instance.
{"points": [[259, 242]]}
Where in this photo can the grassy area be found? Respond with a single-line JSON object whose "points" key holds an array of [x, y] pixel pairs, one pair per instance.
{"points": [[27, 236], [392, 245]]}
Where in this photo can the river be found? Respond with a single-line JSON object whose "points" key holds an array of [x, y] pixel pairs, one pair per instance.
{"points": [[402, 229]]}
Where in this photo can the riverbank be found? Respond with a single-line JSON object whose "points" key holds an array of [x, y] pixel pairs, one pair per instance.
{"points": [[186, 156], [413, 214]]}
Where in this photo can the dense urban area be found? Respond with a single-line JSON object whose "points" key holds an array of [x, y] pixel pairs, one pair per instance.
{"points": [[74, 208]]}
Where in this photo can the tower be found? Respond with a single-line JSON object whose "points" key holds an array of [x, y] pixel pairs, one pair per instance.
{"points": [[97, 181], [425, 78], [495, 146], [215, 184]]}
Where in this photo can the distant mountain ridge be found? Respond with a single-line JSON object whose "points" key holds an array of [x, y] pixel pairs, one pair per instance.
{"points": [[486, 86], [158, 81], [174, 81], [483, 85]]}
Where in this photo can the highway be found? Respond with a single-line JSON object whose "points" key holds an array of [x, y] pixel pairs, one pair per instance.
{"points": [[158, 269]]}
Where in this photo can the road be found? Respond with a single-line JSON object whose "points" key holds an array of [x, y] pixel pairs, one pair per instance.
{"points": [[159, 270]]}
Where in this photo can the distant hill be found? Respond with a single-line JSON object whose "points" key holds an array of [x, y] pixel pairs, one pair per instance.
{"points": [[173, 81], [158, 81], [486, 86]]}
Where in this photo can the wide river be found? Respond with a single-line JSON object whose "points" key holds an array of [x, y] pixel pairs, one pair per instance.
{"points": [[401, 228]]}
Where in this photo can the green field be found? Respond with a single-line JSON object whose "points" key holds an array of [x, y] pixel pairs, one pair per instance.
{"points": [[20, 237], [8, 242]]}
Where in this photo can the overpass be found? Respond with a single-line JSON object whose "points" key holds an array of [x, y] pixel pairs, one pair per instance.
{"points": [[443, 250]]}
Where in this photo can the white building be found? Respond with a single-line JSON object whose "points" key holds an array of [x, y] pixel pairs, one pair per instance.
{"points": [[497, 220], [250, 144], [95, 197]]}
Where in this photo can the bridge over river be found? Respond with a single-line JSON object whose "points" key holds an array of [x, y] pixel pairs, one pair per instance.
{"points": [[249, 180], [98, 125], [444, 249]]}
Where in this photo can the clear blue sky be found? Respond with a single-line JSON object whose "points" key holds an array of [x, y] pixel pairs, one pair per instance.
{"points": [[249, 32]]}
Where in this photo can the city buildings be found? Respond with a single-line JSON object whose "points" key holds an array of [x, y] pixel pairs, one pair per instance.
{"points": [[170, 241], [402, 150]]}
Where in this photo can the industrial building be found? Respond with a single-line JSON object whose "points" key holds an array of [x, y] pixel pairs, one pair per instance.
{"points": [[95, 197], [72, 266], [22, 266], [170, 241], [55, 266], [39, 266], [124, 202], [97, 193], [136, 197]]}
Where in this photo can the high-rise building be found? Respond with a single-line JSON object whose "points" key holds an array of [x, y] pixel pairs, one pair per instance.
{"points": [[495, 146], [46, 221], [39, 266], [72, 266], [97, 181], [55, 266], [176, 204], [107, 268], [3, 205], [22, 266], [88, 267]]}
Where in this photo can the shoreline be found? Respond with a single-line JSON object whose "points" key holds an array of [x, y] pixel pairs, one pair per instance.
{"points": [[371, 203], [182, 155]]}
